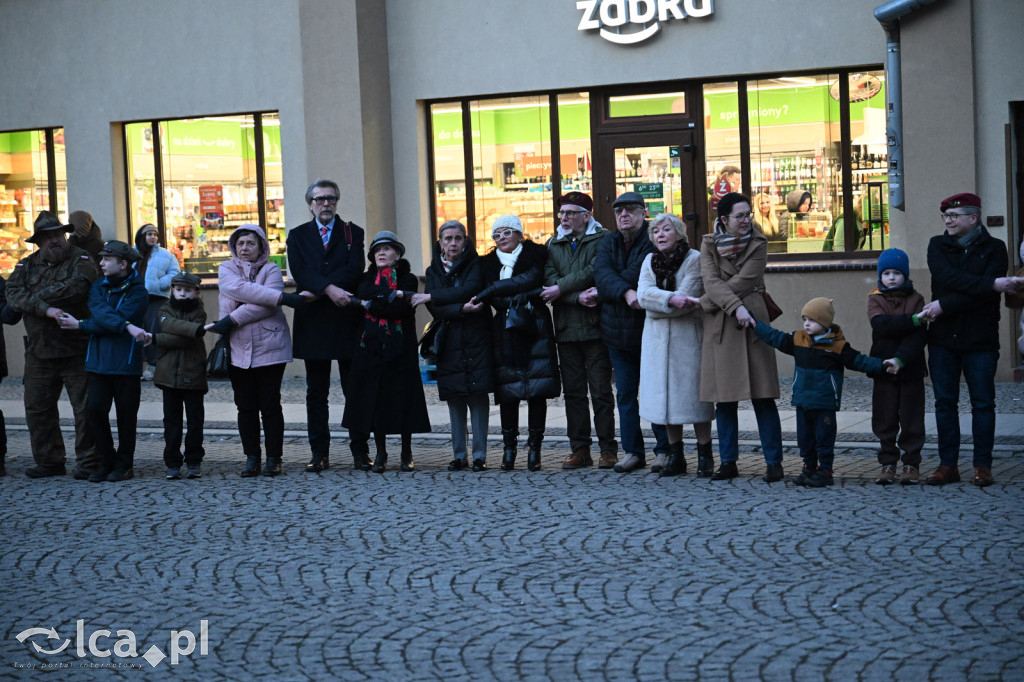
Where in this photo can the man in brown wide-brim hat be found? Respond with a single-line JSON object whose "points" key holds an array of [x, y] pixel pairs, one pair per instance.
{"points": [[44, 285]]}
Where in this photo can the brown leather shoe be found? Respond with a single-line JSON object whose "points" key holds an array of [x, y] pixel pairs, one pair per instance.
{"points": [[608, 460], [578, 460], [943, 475], [983, 476]]}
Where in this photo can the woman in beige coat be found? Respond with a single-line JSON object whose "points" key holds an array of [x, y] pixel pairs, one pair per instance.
{"points": [[735, 364], [669, 290]]}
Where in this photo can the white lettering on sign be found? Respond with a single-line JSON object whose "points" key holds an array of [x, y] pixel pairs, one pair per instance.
{"points": [[602, 15]]}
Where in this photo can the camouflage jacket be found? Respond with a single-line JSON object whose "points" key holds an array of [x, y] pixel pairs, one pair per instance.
{"points": [[36, 285]]}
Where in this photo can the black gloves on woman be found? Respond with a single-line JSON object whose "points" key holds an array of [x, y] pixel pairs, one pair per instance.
{"points": [[224, 325]]}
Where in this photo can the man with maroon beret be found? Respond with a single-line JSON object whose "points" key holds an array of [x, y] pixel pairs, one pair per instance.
{"points": [[968, 268], [582, 355]]}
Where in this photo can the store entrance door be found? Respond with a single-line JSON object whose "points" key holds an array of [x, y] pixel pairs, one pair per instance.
{"points": [[657, 165]]}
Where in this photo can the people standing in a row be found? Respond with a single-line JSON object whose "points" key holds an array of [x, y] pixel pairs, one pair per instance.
{"points": [[571, 291], [617, 264], [50, 281], [524, 341], [156, 268], [325, 257], [386, 391], [465, 358]]}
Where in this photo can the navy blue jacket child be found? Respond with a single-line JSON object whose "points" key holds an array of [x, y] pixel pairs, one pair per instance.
{"points": [[117, 303], [818, 385]]}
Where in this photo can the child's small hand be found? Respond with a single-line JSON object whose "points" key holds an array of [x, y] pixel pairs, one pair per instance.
{"points": [[892, 366]]}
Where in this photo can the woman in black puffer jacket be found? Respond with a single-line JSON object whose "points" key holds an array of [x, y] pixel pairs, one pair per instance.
{"points": [[526, 357], [465, 361]]}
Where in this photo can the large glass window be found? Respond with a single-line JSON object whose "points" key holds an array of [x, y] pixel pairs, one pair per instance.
{"points": [[722, 141], [198, 179], [31, 180], [512, 165], [449, 164], [577, 169]]}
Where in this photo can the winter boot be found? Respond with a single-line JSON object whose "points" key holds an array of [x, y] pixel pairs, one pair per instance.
{"points": [[252, 466], [511, 441], [533, 442], [676, 461], [273, 467], [705, 460]]}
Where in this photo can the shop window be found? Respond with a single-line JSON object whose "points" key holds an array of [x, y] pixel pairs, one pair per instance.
{"points": [[449, 164], [577, 172], [198, 179], [722, 141], [868, 163], [31, 180], [511, 141], [656, 104]]}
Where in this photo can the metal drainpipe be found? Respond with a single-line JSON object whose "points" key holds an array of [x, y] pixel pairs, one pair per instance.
{"points": [[889, 16]]}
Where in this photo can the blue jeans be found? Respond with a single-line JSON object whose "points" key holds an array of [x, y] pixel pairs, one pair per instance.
{"points": [[816, 436], [626, 366], [768, 426], [979, 372]]}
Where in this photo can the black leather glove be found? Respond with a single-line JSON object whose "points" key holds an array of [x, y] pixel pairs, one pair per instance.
{"points": [[292, 300], [200, 332], [224, 325]]}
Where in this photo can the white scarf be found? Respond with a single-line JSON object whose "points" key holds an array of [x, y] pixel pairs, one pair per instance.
{"points": [[508, 261], [592, 226]]}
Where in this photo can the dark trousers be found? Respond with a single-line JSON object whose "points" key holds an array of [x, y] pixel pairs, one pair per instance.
{"points": [[192, 401], [897, 418], [536, 414], [318, 387], [258, 394], [125, 393], [44, 380], [586, 364], [626, 365], [816, 436], [979, 372]]}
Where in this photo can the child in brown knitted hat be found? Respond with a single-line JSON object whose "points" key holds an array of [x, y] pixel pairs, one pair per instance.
{"points": [[820, 352]]}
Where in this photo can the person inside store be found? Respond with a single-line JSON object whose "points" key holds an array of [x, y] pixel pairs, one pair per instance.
{"points": [[156, 270], [968, 268], [669, 291], [524, 338], [798, 202], [735, 364], [835, 239], [582, 355], [53, 280], [325, 257], [765, 219], [464, 358], [386, 391], [251, 296], [620, 256], [87, 234]]}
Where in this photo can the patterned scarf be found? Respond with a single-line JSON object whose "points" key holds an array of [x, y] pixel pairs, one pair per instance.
{"points": [[383, 337], [730, 246], [666, 266]]}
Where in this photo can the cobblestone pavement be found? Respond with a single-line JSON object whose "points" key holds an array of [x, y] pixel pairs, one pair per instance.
{"points": [[550, 575]]}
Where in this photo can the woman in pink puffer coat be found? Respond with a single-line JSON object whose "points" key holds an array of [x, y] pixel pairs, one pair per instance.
{"points": [[251, 295]]}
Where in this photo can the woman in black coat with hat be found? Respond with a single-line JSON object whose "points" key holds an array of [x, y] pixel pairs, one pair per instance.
{"points": [[465, 363], [386, 394], [524, 343]]}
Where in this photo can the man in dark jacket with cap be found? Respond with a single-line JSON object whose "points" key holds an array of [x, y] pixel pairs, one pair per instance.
{"points": [[968, 268], [54, 280], [617, 264], [325, 256]]}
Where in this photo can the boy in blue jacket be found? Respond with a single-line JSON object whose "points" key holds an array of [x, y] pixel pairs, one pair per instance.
{"points": [[820, 352], [113, 361]]}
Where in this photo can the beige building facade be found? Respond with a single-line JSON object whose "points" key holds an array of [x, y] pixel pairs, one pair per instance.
{"points": [[463, 109]]}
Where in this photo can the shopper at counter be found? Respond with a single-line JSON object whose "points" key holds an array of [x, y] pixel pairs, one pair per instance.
{"points": [[325, 257], [798, 202]]}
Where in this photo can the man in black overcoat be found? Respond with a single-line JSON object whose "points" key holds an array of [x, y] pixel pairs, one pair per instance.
{"points": [[325, 257]]}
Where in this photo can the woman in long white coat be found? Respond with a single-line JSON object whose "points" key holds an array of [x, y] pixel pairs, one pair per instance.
{"points": [[669, 290]]}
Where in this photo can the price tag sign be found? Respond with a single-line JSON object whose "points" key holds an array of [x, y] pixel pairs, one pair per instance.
{"points": [[650, 190]]}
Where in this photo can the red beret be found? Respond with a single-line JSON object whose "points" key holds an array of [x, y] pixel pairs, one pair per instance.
{"points": [[577, 199], [961, 200]]}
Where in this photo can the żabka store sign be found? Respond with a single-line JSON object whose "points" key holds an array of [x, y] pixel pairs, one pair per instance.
{"points": [[641, 18]]}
